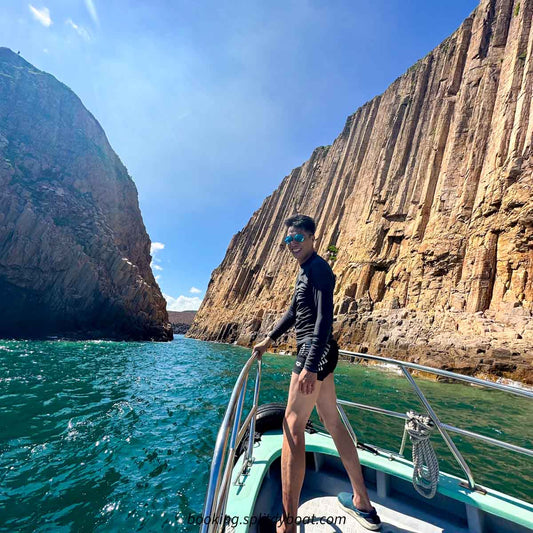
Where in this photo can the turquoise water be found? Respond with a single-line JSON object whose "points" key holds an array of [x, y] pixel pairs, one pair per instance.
{"points": [[107, 436]]}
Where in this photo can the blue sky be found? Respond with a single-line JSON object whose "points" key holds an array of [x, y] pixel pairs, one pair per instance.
{"points": [[210, 104]]}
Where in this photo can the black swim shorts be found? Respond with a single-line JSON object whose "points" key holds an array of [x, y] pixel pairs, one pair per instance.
{"points": [[327, 363]]}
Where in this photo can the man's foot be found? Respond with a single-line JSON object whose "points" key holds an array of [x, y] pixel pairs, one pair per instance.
{"points": [[369, 520]]}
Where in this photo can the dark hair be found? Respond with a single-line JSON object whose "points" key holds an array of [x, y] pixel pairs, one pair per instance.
{"points": [[302, 222]]}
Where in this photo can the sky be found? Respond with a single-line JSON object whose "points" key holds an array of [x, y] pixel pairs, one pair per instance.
{"points": [[209, 104]]}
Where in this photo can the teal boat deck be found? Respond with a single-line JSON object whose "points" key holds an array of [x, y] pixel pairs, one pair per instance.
{"points": [[454, 508]]}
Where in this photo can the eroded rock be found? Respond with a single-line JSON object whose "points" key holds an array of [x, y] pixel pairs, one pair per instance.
{"points": [[74, 252]]}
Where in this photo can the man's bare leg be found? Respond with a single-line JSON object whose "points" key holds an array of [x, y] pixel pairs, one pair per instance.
{"points": [[299, 408], [326, 406]]}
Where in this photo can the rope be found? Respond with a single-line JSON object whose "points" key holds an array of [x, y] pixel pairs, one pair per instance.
{"points": [[425, 462]]}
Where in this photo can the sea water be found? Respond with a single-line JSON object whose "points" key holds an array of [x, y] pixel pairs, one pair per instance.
{"points": [[116, 436]]}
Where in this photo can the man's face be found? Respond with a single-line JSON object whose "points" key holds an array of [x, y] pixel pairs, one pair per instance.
{"points": [[302, 251]]}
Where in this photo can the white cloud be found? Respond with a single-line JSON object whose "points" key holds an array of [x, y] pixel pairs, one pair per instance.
{"points": [[154, 249], [194, 290], [42, 15], [183, 303], [91, 8], [156, 246], [80, 30]]}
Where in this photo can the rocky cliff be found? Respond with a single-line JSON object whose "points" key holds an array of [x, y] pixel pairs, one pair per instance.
{"points": [[74, 252], [427, 194]]}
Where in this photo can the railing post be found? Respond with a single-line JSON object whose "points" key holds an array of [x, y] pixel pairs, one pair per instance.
{"points": [[215, 479], [249, 452], [226, 480], [346, 422], [404, 440], [212, 499], [447, 439]]}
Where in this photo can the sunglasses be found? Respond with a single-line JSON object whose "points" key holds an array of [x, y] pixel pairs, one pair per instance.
{"points": [[298, 238]]}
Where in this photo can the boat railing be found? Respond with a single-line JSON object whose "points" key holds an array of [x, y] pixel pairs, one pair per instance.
{"points": [[232, 432], [229, 437], [444, 429]]}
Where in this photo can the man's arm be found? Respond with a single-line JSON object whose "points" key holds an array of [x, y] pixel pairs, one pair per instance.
{"points": [[323, 285], [286, 322]]}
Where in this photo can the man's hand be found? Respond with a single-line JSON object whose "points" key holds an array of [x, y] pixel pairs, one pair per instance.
{"points": [[307, 381], [262, 347]]}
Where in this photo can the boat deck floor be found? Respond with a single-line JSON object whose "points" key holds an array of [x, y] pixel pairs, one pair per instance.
{"points": [[396, 516], [402, 510], [319, 511], [395, 519]]}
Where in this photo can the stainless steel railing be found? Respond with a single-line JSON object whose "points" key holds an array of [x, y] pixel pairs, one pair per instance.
{"points": [[443, 429], [229, 437], [232, 432], [438, 372]]}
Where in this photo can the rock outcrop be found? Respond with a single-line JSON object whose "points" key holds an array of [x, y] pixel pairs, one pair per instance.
{"points": [[74, 252], [427, 194]]}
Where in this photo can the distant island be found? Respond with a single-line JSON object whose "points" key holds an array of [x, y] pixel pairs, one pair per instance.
{"points": [[181, 321]]}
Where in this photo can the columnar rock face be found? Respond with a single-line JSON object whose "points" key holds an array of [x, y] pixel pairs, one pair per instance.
{"points": [[427, 193], [74, 252]]}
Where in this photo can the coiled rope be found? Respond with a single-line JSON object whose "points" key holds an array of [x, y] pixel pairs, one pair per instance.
{"points": [[426, 464]]}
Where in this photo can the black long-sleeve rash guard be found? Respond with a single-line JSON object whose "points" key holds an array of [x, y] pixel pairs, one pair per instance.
{"points": [[311, 310]]}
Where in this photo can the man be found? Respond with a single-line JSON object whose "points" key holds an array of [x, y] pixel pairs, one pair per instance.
{"points": [[311, 312]]}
